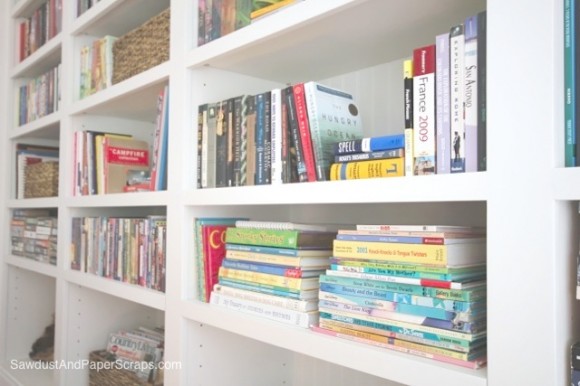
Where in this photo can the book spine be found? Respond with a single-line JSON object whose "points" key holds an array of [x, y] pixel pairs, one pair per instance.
{"points": [[261, 287], [268, 138], [288, 172], [237, 139], [264, 250], [457, 94], [243, 162], [296, 143], [260, 178], [482, 91], [370, 144], [313, 118], [442, 104], [292, 283], [393, 239], [230, 129], [276, 137], [304, 129], [569, 83], [408, 111], [262, 268], [394, 153], [277, 301], [470, 99], [264, 237], [279, 314], [407, 253], [250, 117], [424, 129], [341, 278], [221, 146], [389, 167]]}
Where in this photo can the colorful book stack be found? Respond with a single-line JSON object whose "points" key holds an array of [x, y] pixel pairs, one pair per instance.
{"points": [[369, 157], [414, 289], [33, 234], [271, 269]]}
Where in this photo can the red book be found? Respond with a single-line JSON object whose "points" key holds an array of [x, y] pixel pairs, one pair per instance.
{"points": [[304, 128], [214, 251]]}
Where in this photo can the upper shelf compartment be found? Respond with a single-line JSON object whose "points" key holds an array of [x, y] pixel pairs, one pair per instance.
{"points": [[116, 17], [325, 38]]}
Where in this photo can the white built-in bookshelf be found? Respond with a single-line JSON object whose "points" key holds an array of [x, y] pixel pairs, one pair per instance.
{"points": [[526, 198]]}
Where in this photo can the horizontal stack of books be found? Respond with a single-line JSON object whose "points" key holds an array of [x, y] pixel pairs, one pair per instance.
{"points": [[370, 157], [272, 269], [33, 234], [415, 289]]}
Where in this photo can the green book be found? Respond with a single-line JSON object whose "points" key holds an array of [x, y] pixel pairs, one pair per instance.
{"points": [[294, 239]]}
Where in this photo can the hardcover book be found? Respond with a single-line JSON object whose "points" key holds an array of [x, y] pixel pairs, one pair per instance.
{"points": [[214, 251], [391, 167], [333, 116], [293, 239]]}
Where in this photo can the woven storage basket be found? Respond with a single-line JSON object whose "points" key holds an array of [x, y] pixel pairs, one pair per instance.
{"points": [[112, 376], [41, 180], [142, 48]]}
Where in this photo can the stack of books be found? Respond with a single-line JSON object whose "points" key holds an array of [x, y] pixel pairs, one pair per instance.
{"points": [[272, 269], [33, 234], [369, 157], [415, 289]]}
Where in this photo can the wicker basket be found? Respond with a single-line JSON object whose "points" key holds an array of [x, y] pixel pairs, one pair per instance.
{"points": [[142, 48], [111, 375], [41, 180]]}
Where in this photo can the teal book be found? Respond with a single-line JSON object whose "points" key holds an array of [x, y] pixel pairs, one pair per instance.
{"points": [[333, 117]]}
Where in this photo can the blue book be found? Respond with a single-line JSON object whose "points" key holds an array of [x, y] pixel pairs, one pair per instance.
{"points": [[270, 269], [370, 144]]}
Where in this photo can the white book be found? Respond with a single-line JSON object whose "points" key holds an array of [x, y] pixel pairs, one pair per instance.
{"points": [[457, 94], [278, 301], [420, 228], [279, 314], [470, 99], [284, 225], [276, 136]]}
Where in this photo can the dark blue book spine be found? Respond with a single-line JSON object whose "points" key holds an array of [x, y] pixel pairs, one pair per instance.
{"points": [[370, 144]]}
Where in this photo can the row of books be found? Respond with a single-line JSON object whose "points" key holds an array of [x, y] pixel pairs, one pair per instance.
{"points": [[444, 101], [115, 163], [278, 136], [39, 96], [140, 351], [571, 78], [33, 234], [416, 289], [96, 66], [34, 31], [130, 250], [217, 18]]}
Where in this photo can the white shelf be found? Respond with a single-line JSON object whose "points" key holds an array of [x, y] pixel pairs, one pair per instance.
{"points": [[566, 184], [133, 293], [47, 127], [393, 365], [43, 59], [44, 202], [32, 265], [23, 377], [442, 188], [138, 199]]}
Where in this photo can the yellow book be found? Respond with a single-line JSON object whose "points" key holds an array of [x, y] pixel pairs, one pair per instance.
{"points": [[273, 6], [391, 167], [440, 255], [271, 280]]}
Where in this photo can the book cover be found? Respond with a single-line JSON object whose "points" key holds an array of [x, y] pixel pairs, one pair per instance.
{"points": [[304, 130], [457, 95], [424, 129], [292, 239], [471, 105], [333, 116], [409, 239], [442, 255], [443, 113], [408, 113], [390, 167], [214, 251], [120, 156], [270, 289], [370, 144], [200, 263]]}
